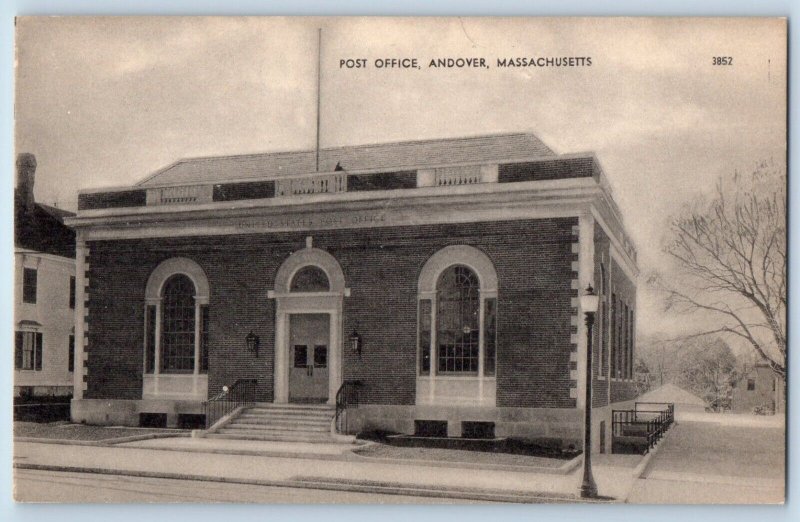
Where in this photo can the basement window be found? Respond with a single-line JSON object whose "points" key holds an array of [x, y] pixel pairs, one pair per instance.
{"points": [[477, 430], [152, 420], [430, 428]]}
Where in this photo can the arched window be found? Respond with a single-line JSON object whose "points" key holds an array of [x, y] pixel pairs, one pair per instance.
{"points": [[177, 325], [176, 319], [458, 325], [457, 331], [310, 279]]}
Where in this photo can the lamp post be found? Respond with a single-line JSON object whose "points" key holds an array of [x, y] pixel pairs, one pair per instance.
{"points": [[589, 303]]}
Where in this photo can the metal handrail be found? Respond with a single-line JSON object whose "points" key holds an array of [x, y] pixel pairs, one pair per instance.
{"points": [[346, 398], [240, 393], [654, 423]]}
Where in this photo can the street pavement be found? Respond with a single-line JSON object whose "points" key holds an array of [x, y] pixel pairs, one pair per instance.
{"points": [[718, 459], [49, 486]]}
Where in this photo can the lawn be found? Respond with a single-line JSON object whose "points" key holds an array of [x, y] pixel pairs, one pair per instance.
{"points": [[456, 455], [68, 431]]}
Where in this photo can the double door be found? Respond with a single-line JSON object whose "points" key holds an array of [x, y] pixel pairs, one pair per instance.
{"points": [[309, 343]]}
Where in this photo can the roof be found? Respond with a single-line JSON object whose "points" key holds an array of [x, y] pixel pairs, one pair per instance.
{"points": [[671, 393], [58, 213], [43, 229], [396, 155]]}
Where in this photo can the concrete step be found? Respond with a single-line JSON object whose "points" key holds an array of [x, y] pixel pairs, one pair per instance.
{"points": [[282, 422], [286, 415], [290, 406], [290, 436], [269, 427]]}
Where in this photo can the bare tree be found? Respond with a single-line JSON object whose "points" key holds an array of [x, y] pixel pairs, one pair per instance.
{"points": [[730, 258]]}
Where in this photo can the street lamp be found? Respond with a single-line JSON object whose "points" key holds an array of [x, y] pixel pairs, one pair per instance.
{"points": [[589, 303]]}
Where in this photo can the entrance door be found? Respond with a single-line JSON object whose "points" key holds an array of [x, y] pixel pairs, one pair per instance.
{"points": [[309, 342]]}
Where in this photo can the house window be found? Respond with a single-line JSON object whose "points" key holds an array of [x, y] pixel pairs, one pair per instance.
{"points": [[28, 351], [72, 292], [71, 354], [751, 384], [29, 280], [177, 330], [458, 326]]}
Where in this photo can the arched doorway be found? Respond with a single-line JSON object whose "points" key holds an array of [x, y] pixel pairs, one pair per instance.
{"points": [[309, 290]]}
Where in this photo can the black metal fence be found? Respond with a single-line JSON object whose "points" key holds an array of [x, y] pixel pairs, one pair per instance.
{"points": [[639, 429], [240, 393], [346, 398]]}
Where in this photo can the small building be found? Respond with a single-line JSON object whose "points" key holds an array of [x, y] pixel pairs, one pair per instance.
{"points": [[759, 388], [44, 292], [684, 401], [442, 276]]}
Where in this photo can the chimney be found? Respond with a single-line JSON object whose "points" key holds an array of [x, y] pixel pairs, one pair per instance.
{"points": [[26, 173]]}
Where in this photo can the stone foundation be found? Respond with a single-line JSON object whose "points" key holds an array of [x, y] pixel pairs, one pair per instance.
{"points": [[115, 412]]}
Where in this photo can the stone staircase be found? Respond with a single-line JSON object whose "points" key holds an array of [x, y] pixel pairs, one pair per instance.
{"points": [[278, 422]]}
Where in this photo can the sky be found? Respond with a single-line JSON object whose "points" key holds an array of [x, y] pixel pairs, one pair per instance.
{"points": [[107, 101]]}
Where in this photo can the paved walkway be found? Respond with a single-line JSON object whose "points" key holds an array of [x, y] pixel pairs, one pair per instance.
{"points": [[315, 473], [716, 459]]}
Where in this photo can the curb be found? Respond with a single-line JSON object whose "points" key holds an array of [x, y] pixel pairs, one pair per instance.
{"points": [[331, 485], [101, 442]]}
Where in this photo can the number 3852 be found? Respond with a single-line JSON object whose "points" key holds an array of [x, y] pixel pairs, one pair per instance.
{"points": [[722, 60]]}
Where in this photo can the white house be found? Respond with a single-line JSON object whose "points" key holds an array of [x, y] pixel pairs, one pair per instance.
{"points": [[44, 293]]}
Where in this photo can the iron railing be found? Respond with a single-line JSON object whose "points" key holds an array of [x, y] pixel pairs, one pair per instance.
{"points": [[641, 428], [240, 393], [346, 398]]}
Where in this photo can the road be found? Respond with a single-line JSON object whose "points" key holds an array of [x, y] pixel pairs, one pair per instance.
{"points": [[49, 486], [720, 462]]}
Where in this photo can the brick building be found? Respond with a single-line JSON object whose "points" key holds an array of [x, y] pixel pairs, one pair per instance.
{"points": [[442, 275]]}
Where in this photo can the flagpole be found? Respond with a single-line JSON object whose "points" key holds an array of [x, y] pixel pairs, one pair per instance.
{"points": [[319, 73]]}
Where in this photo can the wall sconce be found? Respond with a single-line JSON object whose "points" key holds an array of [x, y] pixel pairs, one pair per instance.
{"points": [[252, 342], [355, 343]]}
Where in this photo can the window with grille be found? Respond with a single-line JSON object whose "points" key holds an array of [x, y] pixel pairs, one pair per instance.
{"points": [[310, 279], [178, 321], [458, 321]]}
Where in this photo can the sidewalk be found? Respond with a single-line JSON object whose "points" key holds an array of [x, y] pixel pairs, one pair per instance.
{"points": [[327, 466]]}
